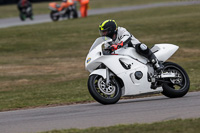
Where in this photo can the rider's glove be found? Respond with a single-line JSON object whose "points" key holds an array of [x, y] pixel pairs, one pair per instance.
{"points": [[116, 46], [113, 47], [121, 44]]}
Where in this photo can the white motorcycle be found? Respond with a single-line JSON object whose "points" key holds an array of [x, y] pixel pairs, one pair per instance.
{"points": [[126, 73]]}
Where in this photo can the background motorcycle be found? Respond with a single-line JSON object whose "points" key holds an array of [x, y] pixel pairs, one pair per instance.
{"points": [[26, 13], [126, 73], [69, 12]]}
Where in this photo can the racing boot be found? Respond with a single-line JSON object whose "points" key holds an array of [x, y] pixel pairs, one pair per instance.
{"points": [[156, 63]]}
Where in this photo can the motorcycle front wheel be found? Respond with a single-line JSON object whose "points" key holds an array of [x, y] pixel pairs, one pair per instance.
{"points": [[22, 16], [53, 16], [177, 86], [102, 93]]}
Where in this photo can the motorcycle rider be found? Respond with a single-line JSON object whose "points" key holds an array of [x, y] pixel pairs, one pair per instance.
{"points": [[24, 4], [121, 37]]}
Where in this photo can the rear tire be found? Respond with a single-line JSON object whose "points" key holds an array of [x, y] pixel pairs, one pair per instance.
{"points": [[74, 14], [101, 93], [176, 87]]}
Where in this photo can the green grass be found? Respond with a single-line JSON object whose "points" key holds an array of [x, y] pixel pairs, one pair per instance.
{"points": [[57, 93], [172, 126], [42, 7], [43, 64]]}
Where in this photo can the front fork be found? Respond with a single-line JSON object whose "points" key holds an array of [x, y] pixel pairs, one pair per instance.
{"points": [[107, 76]]}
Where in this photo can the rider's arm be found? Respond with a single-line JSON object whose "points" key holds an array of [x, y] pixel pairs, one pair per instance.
{"points": [[126, 37], [123, 35]]}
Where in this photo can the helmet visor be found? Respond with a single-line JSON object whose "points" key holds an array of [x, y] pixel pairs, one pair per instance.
{"points": [[103, 32]]}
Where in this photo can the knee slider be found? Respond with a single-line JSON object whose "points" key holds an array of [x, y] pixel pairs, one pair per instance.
{"points": [[143, 47]]}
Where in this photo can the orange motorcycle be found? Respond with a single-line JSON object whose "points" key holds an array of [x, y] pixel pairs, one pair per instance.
{"points": [[57, 11]]}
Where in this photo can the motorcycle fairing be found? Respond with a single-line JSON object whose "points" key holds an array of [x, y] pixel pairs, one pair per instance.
{"points": [[131, 52], [132, 85], [53, 6], [164, 51]]}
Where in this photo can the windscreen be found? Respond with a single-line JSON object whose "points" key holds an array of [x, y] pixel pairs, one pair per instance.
{"points": [[99, 41]]}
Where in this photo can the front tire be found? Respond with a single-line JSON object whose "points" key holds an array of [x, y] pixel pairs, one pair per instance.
{"points": [[22, 16], [102, 94], [53, 17], [175, 87]]}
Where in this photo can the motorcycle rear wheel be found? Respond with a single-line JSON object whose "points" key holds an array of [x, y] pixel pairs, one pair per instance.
{"points": [[176, 87], [101, 93], [74, 14], [53, 17]]}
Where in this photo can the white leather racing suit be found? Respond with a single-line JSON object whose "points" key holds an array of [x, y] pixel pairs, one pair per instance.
{"points": [[130, 41], [126, 37]]}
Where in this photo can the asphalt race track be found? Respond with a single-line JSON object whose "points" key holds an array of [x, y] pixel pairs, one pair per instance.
{"points": [[9, 22], [140, 110]]}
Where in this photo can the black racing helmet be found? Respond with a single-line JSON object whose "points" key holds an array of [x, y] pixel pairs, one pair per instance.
{"points": [[108, 28]]}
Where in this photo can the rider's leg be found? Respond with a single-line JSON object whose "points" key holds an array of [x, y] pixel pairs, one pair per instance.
{"points": [[143, 50]]}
